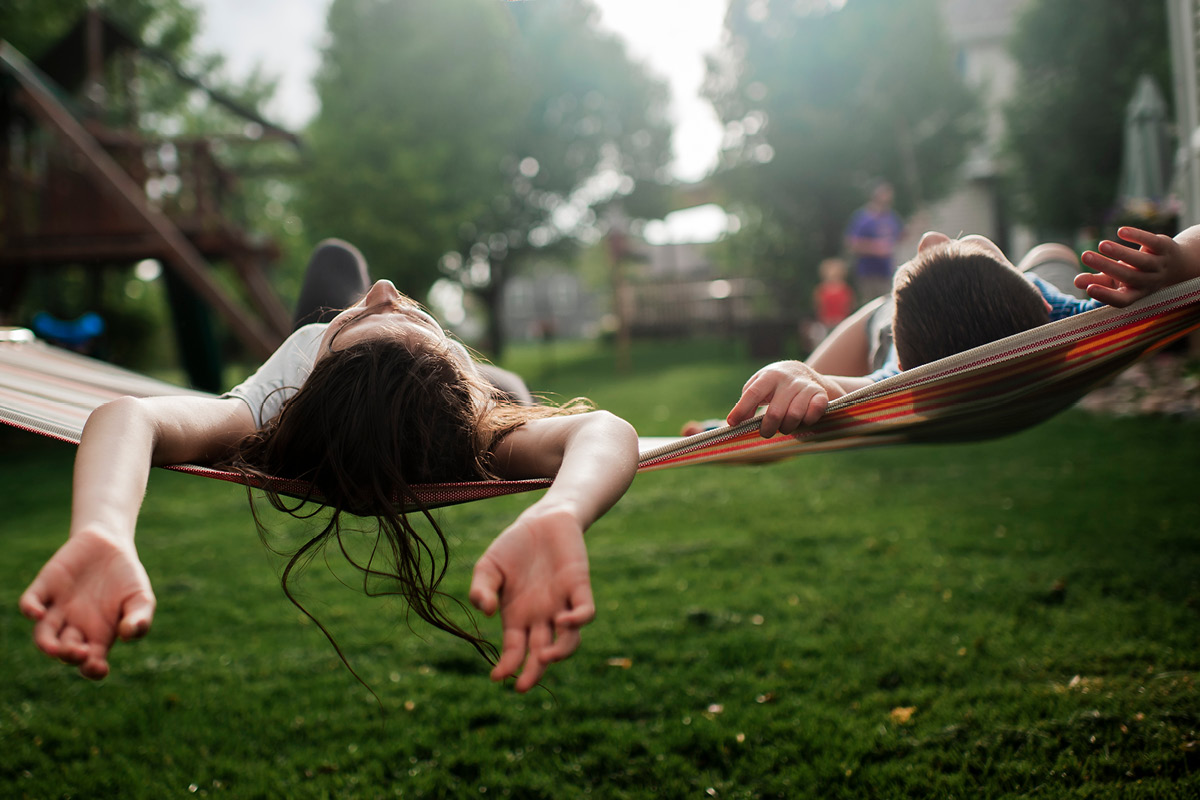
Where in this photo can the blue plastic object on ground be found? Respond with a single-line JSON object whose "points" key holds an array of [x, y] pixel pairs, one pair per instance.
{"points": [[69, 333]]}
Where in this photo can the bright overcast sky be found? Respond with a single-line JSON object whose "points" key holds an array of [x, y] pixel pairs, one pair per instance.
{"points": [[671, 36]]}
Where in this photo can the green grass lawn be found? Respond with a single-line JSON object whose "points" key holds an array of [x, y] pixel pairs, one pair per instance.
{"points": [[1013, 618]]}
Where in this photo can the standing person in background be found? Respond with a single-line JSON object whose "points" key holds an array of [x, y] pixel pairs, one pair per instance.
{"points": [[871, 236]]}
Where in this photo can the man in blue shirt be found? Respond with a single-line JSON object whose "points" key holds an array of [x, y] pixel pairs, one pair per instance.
{"points": [[871, 237]]}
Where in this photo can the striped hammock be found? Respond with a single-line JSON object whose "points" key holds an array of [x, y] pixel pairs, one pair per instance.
{"points": [[982, 393]]}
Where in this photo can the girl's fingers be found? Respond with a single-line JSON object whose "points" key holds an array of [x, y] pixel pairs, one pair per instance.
{"points": [[583, 607], [566, 643], [512, 652], [540, 638], [31, 605], [46, 633], [95, 666], [575, 618], [72, 647], [137, 615], [485, 586]]}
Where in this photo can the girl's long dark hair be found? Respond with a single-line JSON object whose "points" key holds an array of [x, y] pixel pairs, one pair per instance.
{"points": [[371, 421]]}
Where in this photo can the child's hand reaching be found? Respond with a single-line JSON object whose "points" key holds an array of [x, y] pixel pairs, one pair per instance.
{"points": [[1126, 274], [794, 393], [536, 574], [91, 591]]}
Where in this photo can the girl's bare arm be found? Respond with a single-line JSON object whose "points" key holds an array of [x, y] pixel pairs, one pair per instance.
{"points": [[94, 588], [592, 458], [536, 571]]}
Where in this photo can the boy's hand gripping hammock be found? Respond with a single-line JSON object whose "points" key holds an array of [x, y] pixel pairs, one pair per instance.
{"points": [[982, 393]]}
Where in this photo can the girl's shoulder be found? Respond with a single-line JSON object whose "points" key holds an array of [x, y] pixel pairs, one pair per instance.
{"points": [[282, 374]]}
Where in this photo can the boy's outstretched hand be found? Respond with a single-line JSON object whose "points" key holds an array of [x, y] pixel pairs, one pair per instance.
{"points": [[536, 574], [1127, 274], [91, 591], [794, 393]]}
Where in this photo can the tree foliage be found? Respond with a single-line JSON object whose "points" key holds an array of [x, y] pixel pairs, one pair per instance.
{"points": [[591, 130], [167, 27], [1078, 62], [33, 25], [161, 104], [817, 101], [483, 130], [415, 116]]}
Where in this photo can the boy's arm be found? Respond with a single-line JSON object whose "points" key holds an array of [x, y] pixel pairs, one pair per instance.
{"points": [[94, 588], [795, 394], [536, 571], [1127, 274]]}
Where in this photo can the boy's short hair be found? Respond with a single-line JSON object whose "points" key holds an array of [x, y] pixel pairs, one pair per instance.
{"points": [[957, 296]]}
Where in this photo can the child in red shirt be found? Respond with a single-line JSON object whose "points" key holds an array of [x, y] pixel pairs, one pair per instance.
{"points": [[833, 299]]}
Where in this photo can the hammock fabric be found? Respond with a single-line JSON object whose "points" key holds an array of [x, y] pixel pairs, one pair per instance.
{"points": [[982, 393], [51, 391]]}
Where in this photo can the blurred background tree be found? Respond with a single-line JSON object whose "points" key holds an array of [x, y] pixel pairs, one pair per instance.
{"points": [[415, 118], [468, 135], [592, 132], [819, 98], [463, 139], [1078, 62]]}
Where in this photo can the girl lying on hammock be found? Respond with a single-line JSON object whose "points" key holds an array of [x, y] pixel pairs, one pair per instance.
{"points": [[954, 295], [362, 407]]}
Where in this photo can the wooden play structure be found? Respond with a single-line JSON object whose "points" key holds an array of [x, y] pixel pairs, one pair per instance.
{"points": [[81, 183]]}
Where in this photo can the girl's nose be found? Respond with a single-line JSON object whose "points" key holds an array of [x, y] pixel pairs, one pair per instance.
{"points": [[381, 292]]}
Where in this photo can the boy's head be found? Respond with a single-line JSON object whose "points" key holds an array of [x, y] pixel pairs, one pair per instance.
{"points": [[957, 294]]}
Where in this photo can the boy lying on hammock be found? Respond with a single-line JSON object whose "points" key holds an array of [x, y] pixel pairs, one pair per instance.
{"points": [[956, 294]]}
